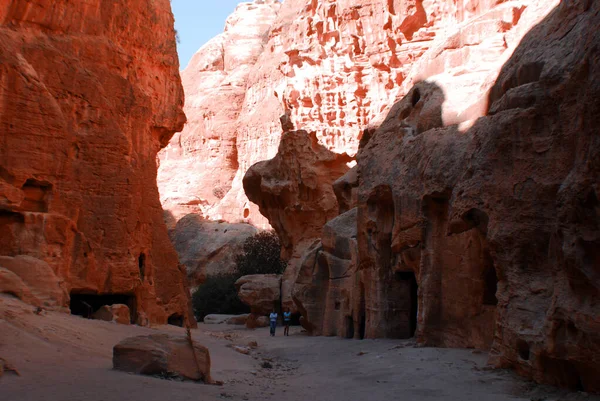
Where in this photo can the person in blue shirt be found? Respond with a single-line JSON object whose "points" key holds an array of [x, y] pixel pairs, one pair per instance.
{"points": [[273, 322], [287, 319]]}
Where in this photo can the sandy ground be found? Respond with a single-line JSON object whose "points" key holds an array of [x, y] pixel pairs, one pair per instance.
{"points": [[63, 358]]}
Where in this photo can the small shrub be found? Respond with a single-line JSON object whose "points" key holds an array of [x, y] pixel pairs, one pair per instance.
{"points": [[218, 295], [261, 255]]}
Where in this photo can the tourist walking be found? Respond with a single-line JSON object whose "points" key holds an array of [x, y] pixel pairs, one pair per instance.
{"points": [[287, 319], [273, 322]]}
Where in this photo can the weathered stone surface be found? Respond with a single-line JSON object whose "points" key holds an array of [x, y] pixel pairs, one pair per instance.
{"points": [[198, 167], [208, 248], [117, 313], [87, 103], [330, 67], [162, 355], [261, 292], [477, 200], [12, 284], [294, 191], [323, 291], [39, 278]]}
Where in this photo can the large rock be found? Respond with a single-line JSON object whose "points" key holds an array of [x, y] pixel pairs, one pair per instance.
{"points": [[262, 292], [39, 278], [13, 285], [163, 355], [294, 191], [117, 313], [87, 103], [208, 248]]}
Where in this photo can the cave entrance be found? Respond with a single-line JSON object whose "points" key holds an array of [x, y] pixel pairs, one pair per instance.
{"points": [[175, 320], [86, 305], [402, 305]]}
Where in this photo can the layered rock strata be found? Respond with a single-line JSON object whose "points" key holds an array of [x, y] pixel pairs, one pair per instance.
{"points": [[90, 92], [476, 223]]}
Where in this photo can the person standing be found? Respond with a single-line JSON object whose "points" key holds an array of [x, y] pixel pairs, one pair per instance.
{"points": [[273, 322], [287, 319]]}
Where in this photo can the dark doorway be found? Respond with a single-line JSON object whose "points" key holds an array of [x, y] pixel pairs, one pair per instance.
{"points": [[402, 305], [175, 320], [295, 321], [349, 327], [490, 283], [362, 313], [87, 304]]}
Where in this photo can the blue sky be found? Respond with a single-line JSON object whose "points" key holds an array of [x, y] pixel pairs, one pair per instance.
{"points": [[197, 21]]}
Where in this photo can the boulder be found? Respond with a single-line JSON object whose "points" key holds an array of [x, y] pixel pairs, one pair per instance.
{"points": [[255, 321], [39, 278], [163, 355], [117, 313], [238, 320], [261, 292], [12, 284], [216, 319], [208, 248]]}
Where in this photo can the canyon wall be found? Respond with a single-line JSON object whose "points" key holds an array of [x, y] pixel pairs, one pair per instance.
{"points": [[89, 93], [472, 216], [333, 66]]}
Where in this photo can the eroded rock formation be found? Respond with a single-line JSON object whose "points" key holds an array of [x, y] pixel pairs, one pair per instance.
{"points": [[90, 92], [294, 191], [475, 204]]}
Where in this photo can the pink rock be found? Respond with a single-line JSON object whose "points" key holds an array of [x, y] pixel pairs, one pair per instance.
{"points": [[87, 103]]}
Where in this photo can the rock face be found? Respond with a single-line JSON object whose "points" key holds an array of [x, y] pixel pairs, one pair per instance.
{"points": [[208, 248], [476, 217], [162, 355], [199, 165], [87, 102], [331, 67]]}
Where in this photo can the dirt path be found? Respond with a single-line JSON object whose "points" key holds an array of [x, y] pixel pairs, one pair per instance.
{"points": [[63, 358]]}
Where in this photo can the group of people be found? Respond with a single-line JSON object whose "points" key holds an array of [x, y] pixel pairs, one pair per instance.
{"points": [[287, 319]]}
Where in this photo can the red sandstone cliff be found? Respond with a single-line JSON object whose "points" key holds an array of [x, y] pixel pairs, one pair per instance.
{"points": [[89, 93], [334, 65], [471, 218]]}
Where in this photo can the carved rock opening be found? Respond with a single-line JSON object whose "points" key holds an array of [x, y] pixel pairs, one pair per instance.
{"points": [[86, 305], [36, 196], [402, 305]]}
